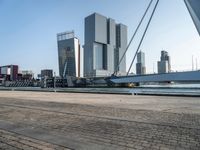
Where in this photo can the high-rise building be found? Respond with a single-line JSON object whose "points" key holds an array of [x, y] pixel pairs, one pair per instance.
{"points": [[140, 65], [69, 55], [193, 7], [164, 65], [105, 43]]}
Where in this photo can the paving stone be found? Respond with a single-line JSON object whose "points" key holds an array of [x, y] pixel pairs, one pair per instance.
{"points": [[112, 128]]}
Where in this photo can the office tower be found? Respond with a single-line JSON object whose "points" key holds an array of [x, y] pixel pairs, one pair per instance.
{"points": [[164, 65], [105, 43], [69, 54], [193, 7], [47, 73], [140, 65], [165, 57]]}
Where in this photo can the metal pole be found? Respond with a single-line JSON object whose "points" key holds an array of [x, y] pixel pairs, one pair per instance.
{"points": [[196, 64], [143, 36], [54, 80], [192, 63]]}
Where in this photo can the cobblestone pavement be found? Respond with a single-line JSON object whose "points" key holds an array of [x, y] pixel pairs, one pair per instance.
{"points": [[14, 141], [49, 125]]}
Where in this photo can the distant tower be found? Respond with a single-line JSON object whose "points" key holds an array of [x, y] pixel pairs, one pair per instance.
{"points": [[164, 65], [140, 65], [69, 54]]}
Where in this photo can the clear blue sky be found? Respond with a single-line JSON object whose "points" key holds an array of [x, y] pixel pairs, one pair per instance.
{"points": [[28, 30]]}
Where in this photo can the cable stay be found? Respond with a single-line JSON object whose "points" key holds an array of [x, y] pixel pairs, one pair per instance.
{"points": [[153, 12], [142, 19], [144, 15]]}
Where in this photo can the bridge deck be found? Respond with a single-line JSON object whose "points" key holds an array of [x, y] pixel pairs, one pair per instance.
{"points": [[190, 76]]}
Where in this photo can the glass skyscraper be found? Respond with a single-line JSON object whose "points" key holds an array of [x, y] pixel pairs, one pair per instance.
{"points": [[69, 55]]}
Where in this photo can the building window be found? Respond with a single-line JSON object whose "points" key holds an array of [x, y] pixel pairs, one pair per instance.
{"points": [[98, 56]]}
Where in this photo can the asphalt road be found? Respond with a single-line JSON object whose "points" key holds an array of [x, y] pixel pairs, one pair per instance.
{"points": [[36, 120]]}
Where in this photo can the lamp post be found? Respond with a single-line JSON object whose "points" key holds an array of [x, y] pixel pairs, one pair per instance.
{"points": [[54, 80]]}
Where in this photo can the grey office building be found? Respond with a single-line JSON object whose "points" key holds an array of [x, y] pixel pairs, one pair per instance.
{"points": [[164, 65], [140, 65], [47, 73], [194, 9], [68, 54], [105, 43]]}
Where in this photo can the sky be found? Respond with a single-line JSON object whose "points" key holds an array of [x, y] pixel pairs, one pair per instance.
{"points": [[28, 30]]}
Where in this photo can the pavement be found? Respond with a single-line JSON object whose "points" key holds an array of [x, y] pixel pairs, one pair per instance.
{"points": [[46, 120]]}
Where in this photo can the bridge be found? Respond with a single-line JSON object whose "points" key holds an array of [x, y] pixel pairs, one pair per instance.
{"points": [[189, 76]]}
